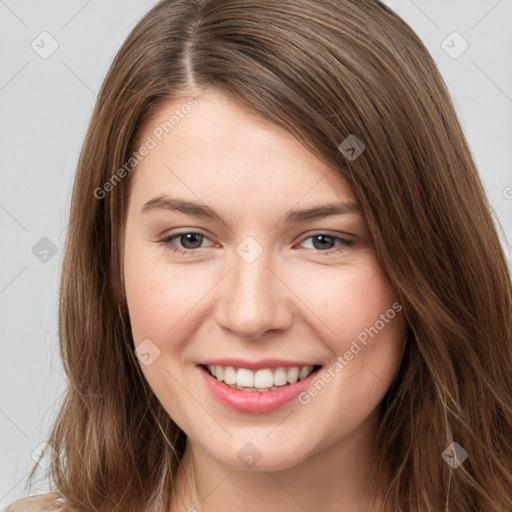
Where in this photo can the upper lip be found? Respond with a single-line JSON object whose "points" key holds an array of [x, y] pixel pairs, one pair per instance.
{"points": [[256, 365]]}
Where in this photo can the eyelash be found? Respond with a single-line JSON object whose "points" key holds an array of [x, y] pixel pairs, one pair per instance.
{"points": [[167, 241]]}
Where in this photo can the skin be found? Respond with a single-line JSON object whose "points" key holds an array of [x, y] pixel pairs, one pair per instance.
{"points": [[297, 301]]}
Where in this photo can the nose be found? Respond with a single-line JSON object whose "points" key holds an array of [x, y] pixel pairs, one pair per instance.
{"points": [[254, 299]]}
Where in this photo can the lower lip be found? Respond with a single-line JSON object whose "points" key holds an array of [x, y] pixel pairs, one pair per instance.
{"points": [[254, 402]]}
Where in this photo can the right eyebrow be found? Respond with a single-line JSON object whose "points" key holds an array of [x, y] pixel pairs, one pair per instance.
{"points": [[180, 205]]}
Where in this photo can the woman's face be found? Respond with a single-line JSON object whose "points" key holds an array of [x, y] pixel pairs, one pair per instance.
{"points": [[226, 273]]}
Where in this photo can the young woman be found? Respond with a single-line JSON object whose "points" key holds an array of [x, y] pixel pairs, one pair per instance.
{"points": [[283, 288]]}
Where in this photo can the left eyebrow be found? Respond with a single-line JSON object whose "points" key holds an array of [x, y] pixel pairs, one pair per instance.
{"points": [[319, 212], [292, 216]]}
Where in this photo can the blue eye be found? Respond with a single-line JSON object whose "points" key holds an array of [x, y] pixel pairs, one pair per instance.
{"points": [[191, 241]]}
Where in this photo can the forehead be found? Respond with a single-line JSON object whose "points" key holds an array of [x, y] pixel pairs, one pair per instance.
{"points": [[215, 146]]}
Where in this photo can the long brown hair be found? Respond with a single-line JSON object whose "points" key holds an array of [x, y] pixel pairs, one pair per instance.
{"points": [[323, 70]]}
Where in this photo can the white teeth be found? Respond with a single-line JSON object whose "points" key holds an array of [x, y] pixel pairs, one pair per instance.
{"points": [[292, 375], [229, 375], [304, 372], [266, 379], [280, 376], [263, 379], [245, 377]]}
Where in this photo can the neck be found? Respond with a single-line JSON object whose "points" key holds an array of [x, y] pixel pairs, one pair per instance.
{"points": [[338, 477]]}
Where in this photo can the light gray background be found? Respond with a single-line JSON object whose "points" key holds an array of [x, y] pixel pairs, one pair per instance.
{"points": [[45, 108]]}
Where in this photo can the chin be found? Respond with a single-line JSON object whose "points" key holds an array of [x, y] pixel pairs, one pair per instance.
{"points": [[262, 454]]}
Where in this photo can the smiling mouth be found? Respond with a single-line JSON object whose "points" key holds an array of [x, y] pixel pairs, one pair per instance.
{"points": [[263, 380]]}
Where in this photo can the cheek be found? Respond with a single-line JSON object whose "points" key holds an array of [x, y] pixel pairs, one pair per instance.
{"points": [[157, 297], [363, 325], [350, 302]]}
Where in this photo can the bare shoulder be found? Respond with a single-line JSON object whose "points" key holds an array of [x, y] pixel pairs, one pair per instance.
{"points": [[51, 502]]}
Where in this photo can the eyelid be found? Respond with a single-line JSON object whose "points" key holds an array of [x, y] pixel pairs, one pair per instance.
{"points": [[165, 239], [328, 232], [345, 242]]}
